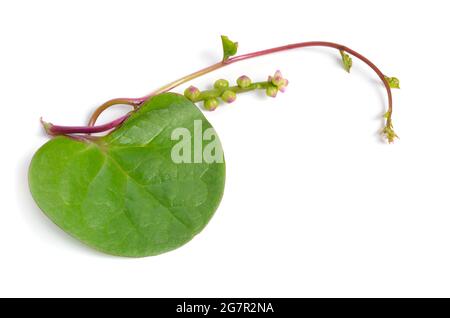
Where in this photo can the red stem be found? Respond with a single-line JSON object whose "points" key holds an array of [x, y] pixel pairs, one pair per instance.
{"points": [[319, 43], [65, 130], [55, 130]]}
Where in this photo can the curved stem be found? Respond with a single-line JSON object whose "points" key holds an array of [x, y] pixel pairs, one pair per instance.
{"points": [[138, 101], [280, 49], [324, 44], [187, 78], [135, 102]]}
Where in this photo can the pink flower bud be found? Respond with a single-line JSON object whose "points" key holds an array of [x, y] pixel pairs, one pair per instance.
{"points": [[229, 96], [282, 87], [192, 93], [244, 81], [277, 79], [271, 91], [211, 104]]}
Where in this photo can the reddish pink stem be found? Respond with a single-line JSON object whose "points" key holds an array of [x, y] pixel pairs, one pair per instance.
{"points": [[319, 43], [66, 130], [55, 130]]}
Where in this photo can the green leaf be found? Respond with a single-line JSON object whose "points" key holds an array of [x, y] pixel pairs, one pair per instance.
{"points": [[393, 82], [123, 194], [229, 47], [346, 61]]}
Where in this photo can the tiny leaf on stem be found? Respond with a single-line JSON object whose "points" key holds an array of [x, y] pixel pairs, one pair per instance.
{"points": [[393, 82], [346, 61], [229, 47]]}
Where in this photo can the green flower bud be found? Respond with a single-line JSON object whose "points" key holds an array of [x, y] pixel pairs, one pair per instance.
{"points": [[244, 81], [192, 93], [271, 91], [211, 104], [221, 84], [228, 96]]}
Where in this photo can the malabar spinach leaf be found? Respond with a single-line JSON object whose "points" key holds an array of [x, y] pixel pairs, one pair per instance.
{"points": [[123, 194]]}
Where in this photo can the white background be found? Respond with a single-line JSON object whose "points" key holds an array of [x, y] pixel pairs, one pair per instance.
{"points": [[315, 204]]}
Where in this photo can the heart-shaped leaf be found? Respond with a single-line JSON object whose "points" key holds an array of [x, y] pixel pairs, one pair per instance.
{"points": [[125, 193]]}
